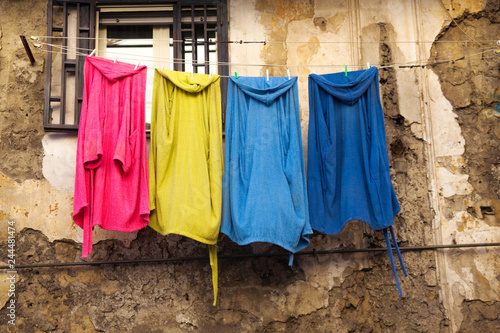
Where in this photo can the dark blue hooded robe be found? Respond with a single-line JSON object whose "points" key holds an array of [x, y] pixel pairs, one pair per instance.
{"points": [[347, 168]]}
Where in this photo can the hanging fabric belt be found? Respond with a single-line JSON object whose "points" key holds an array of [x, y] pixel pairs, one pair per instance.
{"points": [[391, 257], [212, 250], [88, 220], [397, 251]]}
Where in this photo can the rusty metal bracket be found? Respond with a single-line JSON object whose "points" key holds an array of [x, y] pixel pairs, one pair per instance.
{"points": [[27, 48]]}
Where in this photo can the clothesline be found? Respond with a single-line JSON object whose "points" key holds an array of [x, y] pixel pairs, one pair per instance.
{"points": [[403, 66], [162, 60], [213, 41], [74, 50], [176, 60]]}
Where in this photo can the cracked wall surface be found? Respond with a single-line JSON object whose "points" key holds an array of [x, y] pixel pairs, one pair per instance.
{"points": [[469, 176], [442, 129]]}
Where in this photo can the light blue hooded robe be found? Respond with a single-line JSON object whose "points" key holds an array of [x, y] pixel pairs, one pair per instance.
{"points": [[264, 196]]}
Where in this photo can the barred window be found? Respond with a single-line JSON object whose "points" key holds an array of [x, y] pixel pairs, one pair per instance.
{"points": [[178, 35]]}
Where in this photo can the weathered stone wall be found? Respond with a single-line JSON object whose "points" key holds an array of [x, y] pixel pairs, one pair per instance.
{"points": [[443, 139], [472, 86], [22, 87]]}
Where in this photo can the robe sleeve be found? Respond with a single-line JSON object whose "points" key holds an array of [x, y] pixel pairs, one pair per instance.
{"points": [[92, 141], [294, 158], [89, 149], [152, 160], [215, 157], [127, 137]]}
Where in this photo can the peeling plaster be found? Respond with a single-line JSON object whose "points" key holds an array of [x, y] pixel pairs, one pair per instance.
{"points": [[452, 184], [5, 286], [467, 178], [37, 205], [241, 13], [59, 161], [467, 229], [448, 140]]}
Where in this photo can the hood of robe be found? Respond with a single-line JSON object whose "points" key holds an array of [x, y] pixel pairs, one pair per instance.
{"points": [[262, 90], [184, 81], [112, 72], [347, 89]]}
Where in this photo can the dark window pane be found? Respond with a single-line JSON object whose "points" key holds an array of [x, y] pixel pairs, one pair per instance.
{"points": [[130, 31]]}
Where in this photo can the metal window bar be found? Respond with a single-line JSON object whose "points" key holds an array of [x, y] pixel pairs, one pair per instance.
{"points": [[50, 30], [177, 35], [188, 36], [85, 23], [194, 44], [84, 10], [205, 39], [198, 32], [76, 114], [64, 57], [223, 53]]}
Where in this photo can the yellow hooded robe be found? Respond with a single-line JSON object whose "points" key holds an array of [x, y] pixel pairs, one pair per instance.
{"points": [[185, 159]]}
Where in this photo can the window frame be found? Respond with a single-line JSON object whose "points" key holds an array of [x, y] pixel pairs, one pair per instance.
{"points": [[67, 65], [86, 24]]}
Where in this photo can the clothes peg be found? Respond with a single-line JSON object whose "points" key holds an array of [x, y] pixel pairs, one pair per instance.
{"points": [[346, 70], [91, 54], [267, 74], [192, 74], [235, 75], [116, 57], [314, 71], [162, 66], [288, 72], [367, 64], [210, 75], [137, 65]]}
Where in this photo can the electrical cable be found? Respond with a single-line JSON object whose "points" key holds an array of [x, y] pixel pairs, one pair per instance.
{"points": [[314, 253]]}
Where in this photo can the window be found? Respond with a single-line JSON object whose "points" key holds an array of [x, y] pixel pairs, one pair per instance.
{"points": [[179, 35]]}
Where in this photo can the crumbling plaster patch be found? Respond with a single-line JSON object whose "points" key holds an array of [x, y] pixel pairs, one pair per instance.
{"points": [[315, 51], [275, 16], [243, 13], [451, 184], [267, 304], [474, 274], [5, 285], [59, 161], [466, 173], [448, 139], [387, 22], [38, 205], [21, 83]]}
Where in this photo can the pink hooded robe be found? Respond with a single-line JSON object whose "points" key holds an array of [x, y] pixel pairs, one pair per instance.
{"points": [[111, 185]]}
